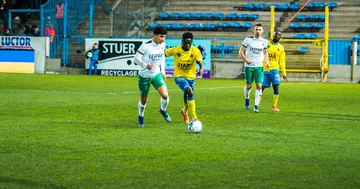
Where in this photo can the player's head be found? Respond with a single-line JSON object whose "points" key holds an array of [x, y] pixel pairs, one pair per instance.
{"points": [[277, 36], [258, 29], [159, 34], [95, 46], [186, 41]]}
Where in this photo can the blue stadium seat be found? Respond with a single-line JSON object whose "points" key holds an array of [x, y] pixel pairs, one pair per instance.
{"points": [[235, 25], [311, 36], [306, 25], [357, 37], [219, 15], [210, 26], [249, 6], [229, 49], [243, 16], [176, 26], [319, 25], [186, 15], [310, 5], [231, 16], [300, 17], [174, 15], [166, 25], [332, 4], [246, 25], [164, 15], [154, 25], [299, 36], [322, 17], [319, 4], [283, 7], [276, 6], [314, 17], [189, 26], [294, 25], [223, 24], [208, 15], [199, 26], [303, 49], [197, 15], [294, 7], [253, 16], [260, 6]]}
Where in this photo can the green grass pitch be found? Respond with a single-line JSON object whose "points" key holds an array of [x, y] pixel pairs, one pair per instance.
{"points": [[62, 131]]}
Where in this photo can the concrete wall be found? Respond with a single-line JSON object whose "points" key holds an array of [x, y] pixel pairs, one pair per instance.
{"points": [[227, 69], [343, 73]]}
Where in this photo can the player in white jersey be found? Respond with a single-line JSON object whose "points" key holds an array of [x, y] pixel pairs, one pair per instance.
{"points": [[256, 52], [151, 58]]}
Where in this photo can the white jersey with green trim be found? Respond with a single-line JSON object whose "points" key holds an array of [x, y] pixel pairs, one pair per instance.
{"points": [[255, 50], [154, 54]]}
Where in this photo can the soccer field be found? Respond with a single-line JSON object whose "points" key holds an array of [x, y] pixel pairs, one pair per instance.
{"points": [[62, 131]]}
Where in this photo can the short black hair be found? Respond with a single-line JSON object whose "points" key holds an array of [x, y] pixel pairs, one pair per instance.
{"points": [[159, 30], [187, 35]]}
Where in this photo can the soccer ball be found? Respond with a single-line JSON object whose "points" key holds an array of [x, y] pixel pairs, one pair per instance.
{"points": [[195, 126], [89, 54]]}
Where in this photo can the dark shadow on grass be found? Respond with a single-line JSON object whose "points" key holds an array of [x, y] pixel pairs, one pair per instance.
{"points": [[342, 117], [27, 183]]}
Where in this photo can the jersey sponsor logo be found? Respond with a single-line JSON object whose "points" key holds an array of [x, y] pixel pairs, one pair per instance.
{"points": [[184, 66], [256, 50]]}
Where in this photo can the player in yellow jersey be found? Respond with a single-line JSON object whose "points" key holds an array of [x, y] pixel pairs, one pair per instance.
{"points": [[186, 57], [271, 74]]}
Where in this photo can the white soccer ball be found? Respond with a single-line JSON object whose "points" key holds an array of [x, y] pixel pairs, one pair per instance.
{"points": [[195, 126], [89, 54]]}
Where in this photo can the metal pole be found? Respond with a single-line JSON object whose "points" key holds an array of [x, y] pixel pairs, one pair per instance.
{"points": [[9, 19], [354, 55], [65, 38], [91, 21], [42, 24]]}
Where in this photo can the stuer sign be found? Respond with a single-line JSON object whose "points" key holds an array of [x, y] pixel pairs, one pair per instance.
{"points": [[117, 56]]}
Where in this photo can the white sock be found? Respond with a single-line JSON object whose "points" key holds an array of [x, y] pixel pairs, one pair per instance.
{"points": [[258, 94], [247, 92], [141, 109], [164, 103]]}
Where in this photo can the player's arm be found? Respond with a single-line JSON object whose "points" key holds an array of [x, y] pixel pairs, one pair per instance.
{"points": [[138, 58], [282, 65], [200, 61], [170, 52], [242, 51], [162, 67], [266, 56]]}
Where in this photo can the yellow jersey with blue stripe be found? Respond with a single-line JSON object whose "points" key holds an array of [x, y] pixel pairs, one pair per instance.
{"points": [[185, 61], [276, 58]]}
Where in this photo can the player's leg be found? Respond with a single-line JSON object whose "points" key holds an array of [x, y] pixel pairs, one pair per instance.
{"points": [[91, 66], [184, 85], [276, 82], [160, 85], [259, 78], [266, 83], [184, 110], [248, 74], [144, 87], [191, 99], [95, 68]]}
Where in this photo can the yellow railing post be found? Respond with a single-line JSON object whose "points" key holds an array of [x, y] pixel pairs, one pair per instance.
{"points": [[326, 46], [272, 22]]}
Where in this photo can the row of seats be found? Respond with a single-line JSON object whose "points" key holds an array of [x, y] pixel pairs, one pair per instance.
{"points": [[315, 17], [284, 7], [231, 49], [202, 26], [303, 36], [306, 25], [199, 15]]}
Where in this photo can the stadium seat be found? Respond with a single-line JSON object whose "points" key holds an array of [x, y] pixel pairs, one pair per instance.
{"points": [[189, 26], [319, 25], [210, 26], [196, 15], [357, 37], [253, 16], [243, 16], [322, 17], [294, 25], [174, 15], [332, 4], [294, 7], [310, 5], [199, 26], [154, 25], [299, 36], [276, 6], [231, 16], [319, 4], [306, 25], [311, 36], [260, 6], [303, 49], [164, 15], [235, 25], [166, 25], [283, 7], [300, 17], [176, 26], [208, 15], [223, 24], [314, 17], [186, 15], [246, 25], [229, 49], [249, 6], [219, 16]]}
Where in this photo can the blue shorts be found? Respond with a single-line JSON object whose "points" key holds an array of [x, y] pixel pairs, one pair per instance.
{"points": [[184, 83], [272, 76]]}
